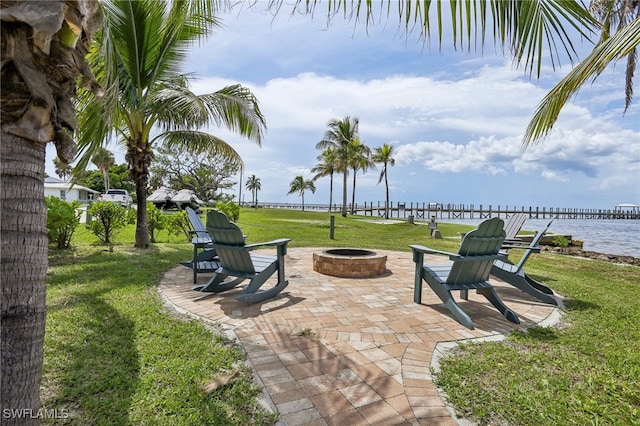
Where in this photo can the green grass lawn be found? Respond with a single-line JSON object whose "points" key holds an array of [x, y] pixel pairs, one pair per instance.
{"points": [[115, 355]]}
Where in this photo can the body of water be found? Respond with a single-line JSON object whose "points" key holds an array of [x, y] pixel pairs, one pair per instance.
{"points": [[611, 236]]}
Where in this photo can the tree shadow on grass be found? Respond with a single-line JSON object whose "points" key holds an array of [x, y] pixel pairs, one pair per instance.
{"points": [[96, 361], [91, 365]]}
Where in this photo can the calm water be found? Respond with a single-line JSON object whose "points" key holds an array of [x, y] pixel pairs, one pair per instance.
{"points": [[611, 236]]}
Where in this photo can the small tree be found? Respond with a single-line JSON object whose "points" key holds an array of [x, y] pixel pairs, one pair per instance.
{"points": [[156, 221], [108, 220], [299, 185], [178, 223], [62, 220], [231, 209]]}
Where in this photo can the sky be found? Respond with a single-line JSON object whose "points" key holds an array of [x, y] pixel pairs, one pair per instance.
{"points": [[455, 119]]}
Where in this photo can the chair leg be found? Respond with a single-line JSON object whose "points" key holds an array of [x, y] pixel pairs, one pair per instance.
{"points": [[217, 284], [521, 281], [492, 296], [260, 296], [445, 295], [537, 285]]}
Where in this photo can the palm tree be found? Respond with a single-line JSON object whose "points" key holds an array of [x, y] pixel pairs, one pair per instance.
{"points": [[253, 185], [530, 30], [299, 185], [384, 154], [359, 158], [42, 59], [148, 101], [338, 137], [63, 169], [326, 167], [103, 159]]}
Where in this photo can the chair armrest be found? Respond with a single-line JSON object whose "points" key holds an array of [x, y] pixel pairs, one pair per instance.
{"points": [[278, 242], [524, 246], [423, 249], [419, 252]]}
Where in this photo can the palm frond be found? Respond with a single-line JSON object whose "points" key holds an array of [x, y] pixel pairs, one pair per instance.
{"points": [[616, 47], [525, 27], [236, 108], [200, 143]]}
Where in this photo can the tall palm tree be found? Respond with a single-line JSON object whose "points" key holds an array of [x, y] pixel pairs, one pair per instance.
{"points": [[148, 100], [253, 185], [299, 184], [103, 159], [533, 31], [326, 167], [338, 137], [42, 59], [384, 154], [62, 168], [359, 158]]}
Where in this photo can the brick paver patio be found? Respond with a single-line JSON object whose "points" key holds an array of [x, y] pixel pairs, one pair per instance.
{"points": [[340, 351]]}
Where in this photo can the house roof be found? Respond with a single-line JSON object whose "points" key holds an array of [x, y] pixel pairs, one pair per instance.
{"points": [[54, 183]]}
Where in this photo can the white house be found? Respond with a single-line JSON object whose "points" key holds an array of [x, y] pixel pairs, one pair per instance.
{"points": [[68, 192]]}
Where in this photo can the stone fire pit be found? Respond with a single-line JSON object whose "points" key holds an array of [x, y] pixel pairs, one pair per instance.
{"points": [[349, 263]]}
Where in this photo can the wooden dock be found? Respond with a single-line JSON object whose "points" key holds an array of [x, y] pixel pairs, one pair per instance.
{"points": [[425, 211]]}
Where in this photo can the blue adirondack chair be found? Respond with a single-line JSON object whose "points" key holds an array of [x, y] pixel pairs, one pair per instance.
{"points": [[517, 277], [469, 270], [204, 255], [239, 263]]}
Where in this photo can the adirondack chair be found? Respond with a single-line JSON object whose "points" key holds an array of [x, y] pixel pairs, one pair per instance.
{"points": [[204, 255], [517, 277], [469, 270], [237, 260], [513, 225]]}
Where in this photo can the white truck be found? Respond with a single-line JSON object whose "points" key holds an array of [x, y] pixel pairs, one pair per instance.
{"points": [[120, 196]]}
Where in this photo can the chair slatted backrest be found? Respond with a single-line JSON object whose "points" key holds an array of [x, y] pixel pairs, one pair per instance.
{"points": [[196, 223], [229, 243], [534, 244], [479, 249], [513, 225]]}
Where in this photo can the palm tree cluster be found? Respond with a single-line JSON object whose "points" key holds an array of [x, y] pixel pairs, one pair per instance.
{"points": [[342, 152], [254, 185]]}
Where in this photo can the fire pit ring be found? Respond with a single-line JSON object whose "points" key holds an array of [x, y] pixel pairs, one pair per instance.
{"points": [[349, 263]]}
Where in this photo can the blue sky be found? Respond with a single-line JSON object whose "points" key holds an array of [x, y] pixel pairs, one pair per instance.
{"points": [[455, 119]]}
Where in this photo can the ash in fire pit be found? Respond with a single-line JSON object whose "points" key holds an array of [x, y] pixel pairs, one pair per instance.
{"points": [[349, 263]]}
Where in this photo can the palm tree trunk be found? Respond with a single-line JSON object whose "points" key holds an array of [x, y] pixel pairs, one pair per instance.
{"points": [[23, 226], [353, 193], [344, 193], [142, 229], [330, 191], [139, 156], [386, 204]]}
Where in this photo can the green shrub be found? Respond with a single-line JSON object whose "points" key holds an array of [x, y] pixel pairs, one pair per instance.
{"points": [[178, 223], [108, 220], [156, 221], [560, 241], [131, 216], [231, 209], [62, 220]]}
